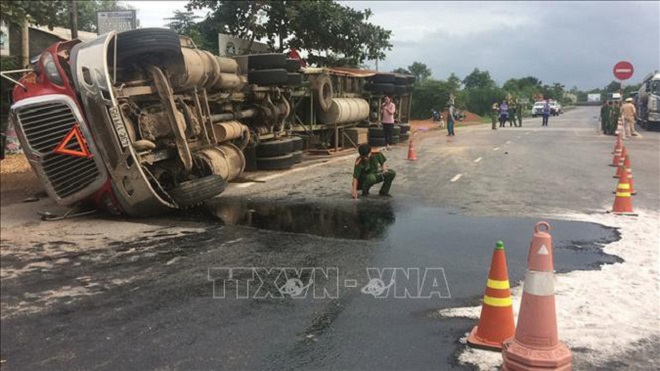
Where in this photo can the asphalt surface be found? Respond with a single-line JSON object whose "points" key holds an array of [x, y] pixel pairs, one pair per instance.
{"points": [[155, 294]]}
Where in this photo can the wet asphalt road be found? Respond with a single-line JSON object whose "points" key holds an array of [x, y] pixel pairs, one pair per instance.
{"points": [[149, 300]]}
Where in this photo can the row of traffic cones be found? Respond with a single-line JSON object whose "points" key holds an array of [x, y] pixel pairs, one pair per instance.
{"points": [[534, 344], [625, 188]]}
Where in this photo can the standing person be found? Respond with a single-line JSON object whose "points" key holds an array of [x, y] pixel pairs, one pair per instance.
{"points": [[519, 109], [388, 120], [370, 169], [494, 113], [545, 113], [616, 115], [605, 118], [450, 119], [629, 113], [512, 114], [504, 113]]}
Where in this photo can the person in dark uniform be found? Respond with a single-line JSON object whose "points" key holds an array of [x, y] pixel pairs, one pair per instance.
{"points": [[512, 114], [370, 168], [494, 113], [519, 109], [614, 118], [605, 118]]}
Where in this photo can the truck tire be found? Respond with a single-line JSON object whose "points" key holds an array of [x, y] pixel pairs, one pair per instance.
{"points": [[195, 191], [396, 139], [266, 61], [297, 157], [380, 88], [268, 77], [275, 163], [275, 148], [153, 41], [404, 137], [405, 128], [376, 132], [298, 143], [377, 142], [396, 131], [324, 92], [292, 65], [383, 78], [294, 79]]}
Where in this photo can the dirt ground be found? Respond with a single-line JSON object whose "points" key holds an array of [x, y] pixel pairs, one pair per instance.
{"points": [[17, 180], [429, 124]]}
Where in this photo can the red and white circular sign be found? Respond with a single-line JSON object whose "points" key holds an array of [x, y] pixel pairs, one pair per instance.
{"points": [[623, 70]]}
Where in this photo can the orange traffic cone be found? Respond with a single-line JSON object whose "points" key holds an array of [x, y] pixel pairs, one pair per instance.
{"points": [[623, 200], [412, 156], [626, 164], [617, 152], [496, 322], [536, 343], [618, 143], [624, 154]]}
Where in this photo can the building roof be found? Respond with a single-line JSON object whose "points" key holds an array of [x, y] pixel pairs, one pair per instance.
{"points": [[65, 33]]}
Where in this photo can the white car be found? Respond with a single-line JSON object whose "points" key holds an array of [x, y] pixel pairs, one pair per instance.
{"points": [[555, 108]]}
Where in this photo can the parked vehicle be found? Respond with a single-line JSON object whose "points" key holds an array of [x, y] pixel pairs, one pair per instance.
{"points": [[555, 108], [647, 101]]}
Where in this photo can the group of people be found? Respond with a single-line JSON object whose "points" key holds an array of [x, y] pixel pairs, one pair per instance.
{"points": [[512, 113], [610, 114]]}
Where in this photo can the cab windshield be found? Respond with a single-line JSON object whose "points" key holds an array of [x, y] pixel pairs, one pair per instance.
{"points": [[655, 87]]}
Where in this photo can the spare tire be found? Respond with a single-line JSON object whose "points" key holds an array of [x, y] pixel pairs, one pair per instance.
{"points": [[268, 77], [266, 61], [275, 148], [298, 143], [396, 130], [396, 139], [380, 88], [294, 79], [195, 191], [405, 128], [297, 157], [324, 92], [376, 132], [275, 163], [161, 42], [292, 65], [404, 137], [383, 78], [377, 142]]}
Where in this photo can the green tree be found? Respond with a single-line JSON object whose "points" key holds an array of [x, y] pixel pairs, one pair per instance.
{"points": [[455, 82], [402, 71], [478, 79], [420, 71], [39, 12], [330, 33], [429, 94]]}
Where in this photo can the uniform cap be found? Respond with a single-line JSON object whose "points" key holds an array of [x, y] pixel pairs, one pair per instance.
{"points": [[629, 99]]}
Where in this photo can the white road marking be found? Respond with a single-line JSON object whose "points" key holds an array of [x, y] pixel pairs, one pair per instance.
{"points": [[457, 177], [508, 142], [244, 185], [496, 149], [477, 160]]}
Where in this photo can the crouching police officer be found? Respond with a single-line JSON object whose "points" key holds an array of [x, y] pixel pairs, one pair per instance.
{"points": [[370, 168]]}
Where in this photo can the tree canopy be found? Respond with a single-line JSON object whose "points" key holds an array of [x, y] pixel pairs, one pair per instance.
{"points": [[420, 71], [330, 33], [478, 79]]}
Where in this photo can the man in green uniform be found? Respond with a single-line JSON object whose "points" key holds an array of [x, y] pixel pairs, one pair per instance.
{"points": [[605, 118], [614, 121], [370, 168], [519, 109], [494, 113], [512, 114]]}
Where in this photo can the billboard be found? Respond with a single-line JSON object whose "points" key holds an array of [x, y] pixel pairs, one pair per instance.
{"points": [[230, 46], [116, 20], [593, 97]]}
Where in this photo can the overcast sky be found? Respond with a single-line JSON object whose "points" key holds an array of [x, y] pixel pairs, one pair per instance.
{"points": [[574, 43]]}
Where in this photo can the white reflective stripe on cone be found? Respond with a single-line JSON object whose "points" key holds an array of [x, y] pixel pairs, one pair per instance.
{"points": [[539, 283]]}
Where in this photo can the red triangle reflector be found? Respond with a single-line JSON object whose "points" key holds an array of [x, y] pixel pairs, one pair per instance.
{"points": [[73, 134]]}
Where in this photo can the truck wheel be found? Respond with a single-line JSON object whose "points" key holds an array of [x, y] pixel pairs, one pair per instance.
{"points": [[298, 143], [297, 157], [275, 148], [380, 88], [266, 61], [376, 132], [383, 78], [405, 128], [292, 65], [275, 163], [294, 79], [268, 77], [377, 142], [396, 131], [161, 41], [195, 191], [324, 92], [404, 137], [396, 139]]}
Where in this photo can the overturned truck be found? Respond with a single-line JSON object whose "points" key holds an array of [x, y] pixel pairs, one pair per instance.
{"points": [[141, 122]]}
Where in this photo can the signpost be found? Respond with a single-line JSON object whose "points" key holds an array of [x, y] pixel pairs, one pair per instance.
{"points": [[118, 20], [623, 71]]}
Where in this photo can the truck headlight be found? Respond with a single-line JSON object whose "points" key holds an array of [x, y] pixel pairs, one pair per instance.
{"points": [[51, 69]]}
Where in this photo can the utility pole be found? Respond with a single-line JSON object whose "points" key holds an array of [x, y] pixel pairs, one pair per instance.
{"points": [[25, 43], [73, 19]]}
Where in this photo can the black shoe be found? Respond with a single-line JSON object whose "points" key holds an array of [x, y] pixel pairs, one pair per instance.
{"points": [[384, 194]]}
